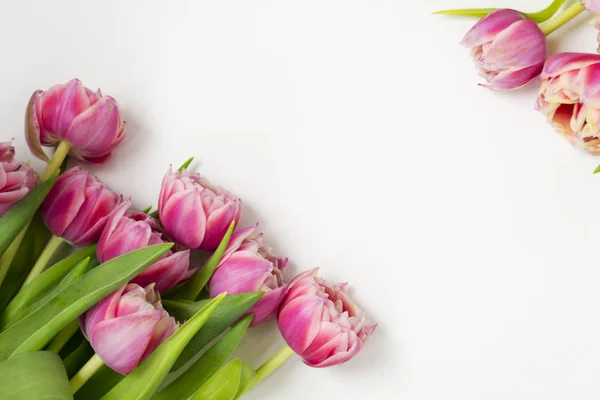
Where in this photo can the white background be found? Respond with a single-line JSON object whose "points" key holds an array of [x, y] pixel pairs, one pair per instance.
{"points": [[356, 135]]}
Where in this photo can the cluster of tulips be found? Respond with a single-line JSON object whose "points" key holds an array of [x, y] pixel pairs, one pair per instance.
{"points": [[510, 50], [99, 300]]}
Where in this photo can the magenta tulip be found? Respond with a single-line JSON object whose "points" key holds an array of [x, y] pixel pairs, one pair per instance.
{"points": [[570, 98], [78, 206], [127, 326], [126, 231], [248, 266], [16, 178], [88, 121], [509, 50], [320, 322], [195, 213]]}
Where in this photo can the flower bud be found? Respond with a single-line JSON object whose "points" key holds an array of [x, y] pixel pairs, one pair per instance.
{"points": [[195, 213], [16, 178], [127, 326], [320, 322], [248, 266], [509, 50], [126, 231], [78, 206], [88, 121]]}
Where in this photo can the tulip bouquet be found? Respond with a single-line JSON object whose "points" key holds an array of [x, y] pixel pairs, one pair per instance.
{"points": [[99, 300], [509, 49]]}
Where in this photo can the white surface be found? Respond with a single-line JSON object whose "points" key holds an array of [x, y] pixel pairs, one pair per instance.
{"points": [[354, 131]]}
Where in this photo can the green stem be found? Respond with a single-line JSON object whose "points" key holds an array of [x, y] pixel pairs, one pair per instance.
{"points": [[10, 253], [540, 16], [571, 12], [59, 156], [272, 364], [86, 372], [42, 262], [63, 337]]}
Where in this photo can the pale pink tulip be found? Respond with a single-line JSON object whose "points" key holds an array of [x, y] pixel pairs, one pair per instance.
{"points": [[195, 213], [127, 326], [126, 231], [88, 121], [320, 322], [570, 98], [78, 206], [248, 266], [16, 178], [509, 50]]}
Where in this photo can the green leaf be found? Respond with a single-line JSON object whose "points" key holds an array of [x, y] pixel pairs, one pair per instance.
{"points": [[20, 214], [192, 288], [143, 382], [207, 365], [42, 286], [147, 209], [228, 312], [227, 382], [35, 330], [77, 359], [34, 375], [33, 244], [186, 164], [597, 169]]}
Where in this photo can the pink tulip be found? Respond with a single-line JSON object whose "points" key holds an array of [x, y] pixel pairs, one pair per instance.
{"points": [[570, 98], [126, 231], [78, 207], [16, 178], [320, 322], [195, 213], [248, 266], [127, 326], [509, 50], [89, 122]]}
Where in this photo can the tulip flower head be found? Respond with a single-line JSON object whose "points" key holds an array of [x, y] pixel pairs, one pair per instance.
{"points": [[195, 213], [126, 231], [16, 178], [320, 322], [509, 50], [88, 121], [78, 206], [570, 98], [127, 326], [248, 266]]}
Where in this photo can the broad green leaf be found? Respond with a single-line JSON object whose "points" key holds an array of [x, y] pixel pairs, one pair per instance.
{"points": [[207, 365], [34, 376], [230, 310], [31, 247], [186, 164], [192, 288], [42, 286], [143, 382], [227, 382], [35, 330], [77, 359], [20, 214]]}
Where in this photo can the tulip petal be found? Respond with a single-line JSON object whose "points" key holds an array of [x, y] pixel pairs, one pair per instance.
{"points": [[184, 209], [244, 272], [299, 321], [267, 306], [560, 63], [236, 241], [217, 224], [489, 26], [166, 272], [106, 309], [65, 199], [32, 128], [121, 342]]}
